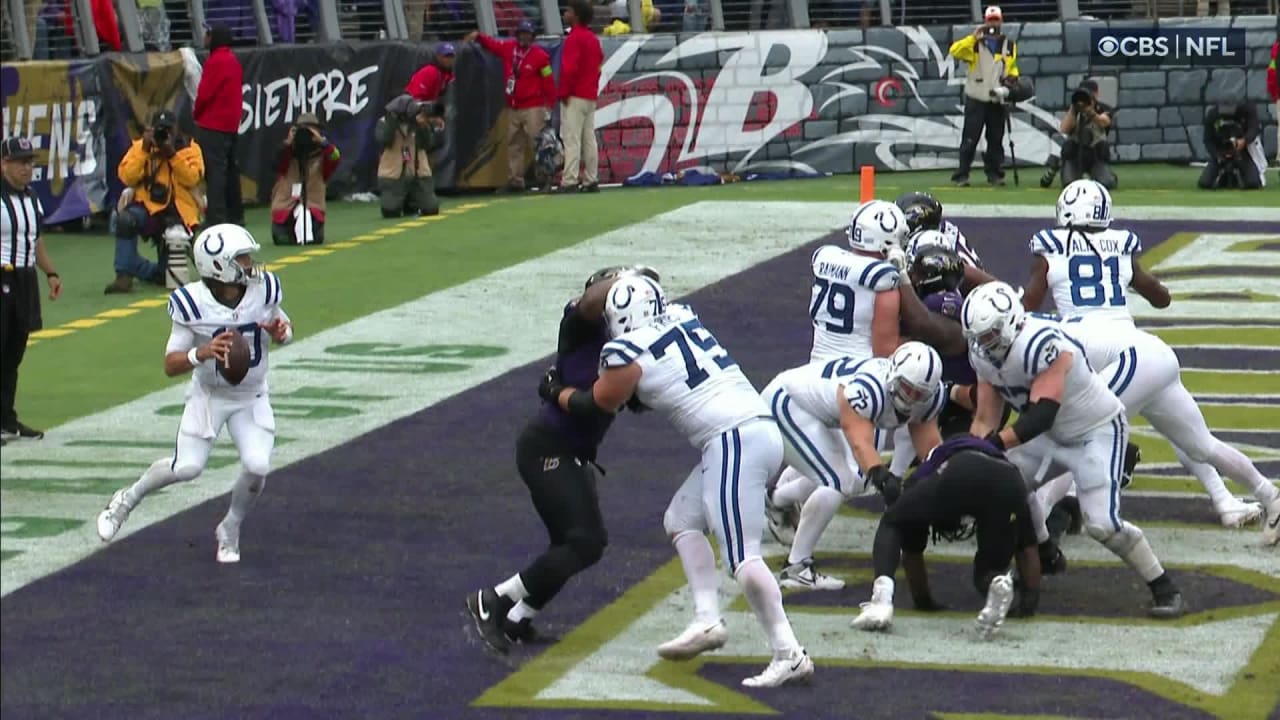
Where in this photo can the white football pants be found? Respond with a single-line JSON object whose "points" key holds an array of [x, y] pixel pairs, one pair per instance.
{"points": [[249, 419]]}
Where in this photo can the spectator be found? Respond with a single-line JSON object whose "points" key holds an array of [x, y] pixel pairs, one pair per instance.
{"points": [[22, 250], [154, 25], [303, 168], [415, 12], [407, 133], [286, 20], [618, 10], [993, 67], [531, 93], [1233, 139], [580, 60], [696, 16], [431, 80], [162, 171], [217, 114], [106, 25]]}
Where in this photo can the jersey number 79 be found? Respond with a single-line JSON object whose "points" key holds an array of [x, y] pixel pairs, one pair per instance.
{"points": [[832, 301], [691, 331]]}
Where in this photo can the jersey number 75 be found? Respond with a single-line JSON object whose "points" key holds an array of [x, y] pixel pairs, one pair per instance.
{"points": [[682, 336]]}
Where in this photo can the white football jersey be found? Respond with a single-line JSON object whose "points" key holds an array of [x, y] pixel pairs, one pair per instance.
{"points": [[843, 301], [956, 243], [687, 375], [815, 387], [1086, 401], [198, 317], [867, 392], [1089, 272]]}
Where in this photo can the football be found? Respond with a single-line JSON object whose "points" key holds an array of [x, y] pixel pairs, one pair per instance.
{"points": [[237, 365]]}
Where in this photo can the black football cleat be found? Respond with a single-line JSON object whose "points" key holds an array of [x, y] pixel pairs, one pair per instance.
{"points": [[489, 611], [1132, 456], [519, 632], [1052, 561], [1167, 606]]}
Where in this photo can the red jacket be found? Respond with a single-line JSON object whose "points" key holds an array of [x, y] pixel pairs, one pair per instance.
{"points": [[535, 87], [219, 96], [104, 21], [580, 60], [428, 83], [1273, 84]]}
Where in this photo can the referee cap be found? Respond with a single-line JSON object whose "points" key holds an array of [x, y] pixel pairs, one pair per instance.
{"points": [[17, 148]]}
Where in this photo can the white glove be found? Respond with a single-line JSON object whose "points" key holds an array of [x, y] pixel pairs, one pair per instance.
{"points": [[1002, 93], [897, 258]]}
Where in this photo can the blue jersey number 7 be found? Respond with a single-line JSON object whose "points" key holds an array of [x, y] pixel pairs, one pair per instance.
{"points": [[686, 337]]}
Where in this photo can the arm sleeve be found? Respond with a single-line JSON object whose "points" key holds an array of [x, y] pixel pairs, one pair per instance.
{"points": [[212, 79], [133, 167], [865, 395], [1044, 243], [1044, 349], [490, 44], [188, 165], [1011, 60], [963, 51], [181, 339]]}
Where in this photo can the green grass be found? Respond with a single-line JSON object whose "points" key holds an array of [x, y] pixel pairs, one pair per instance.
{"points": [[95, 368]]}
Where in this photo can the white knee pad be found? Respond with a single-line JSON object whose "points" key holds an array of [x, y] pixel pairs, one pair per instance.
{"points": [[256, 463], [186, 472], [1121, 541], [678, 520]]}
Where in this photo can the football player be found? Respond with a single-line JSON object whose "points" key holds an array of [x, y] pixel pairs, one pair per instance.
{"points": [[926, 226], [964, 477], [233, 295], [1088, 267], [664, 357], [827, 411], [1066, 414], [555, 456]]}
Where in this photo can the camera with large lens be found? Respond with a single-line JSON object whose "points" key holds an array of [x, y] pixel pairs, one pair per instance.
{"points": [[303, 140], [1225, 133], [1081, 98], [159, 193], [162, 135]]}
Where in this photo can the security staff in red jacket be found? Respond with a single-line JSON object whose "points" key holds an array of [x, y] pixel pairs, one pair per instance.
{"points": [[429, 83], [217, 114], [580, 59], [531, 93]]}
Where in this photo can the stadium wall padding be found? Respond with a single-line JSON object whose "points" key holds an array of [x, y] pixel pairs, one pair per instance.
{"points": [[769, 103]]}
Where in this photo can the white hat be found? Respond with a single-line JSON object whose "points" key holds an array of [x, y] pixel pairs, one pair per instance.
{"points": [[993, 13]]}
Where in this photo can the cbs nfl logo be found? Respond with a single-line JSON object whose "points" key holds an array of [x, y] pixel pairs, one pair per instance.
{"points": [[1193, 47]]}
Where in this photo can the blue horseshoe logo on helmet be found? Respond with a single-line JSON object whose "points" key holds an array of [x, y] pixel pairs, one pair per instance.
{"points": [[208, 244], [891, 227], [618, 301], [1008, 301]]}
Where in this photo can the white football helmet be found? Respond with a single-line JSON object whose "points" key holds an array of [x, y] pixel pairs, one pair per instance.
{"points": [[1084, 204], [633, 302], [991, 317], [216, 249], [876, 226], [922, 239], [915, 372]]}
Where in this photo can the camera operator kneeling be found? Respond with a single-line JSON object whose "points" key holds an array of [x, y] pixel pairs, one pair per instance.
{"points": [[408, 132], [1232, 136], [162, 172], [303, 168], [1085, 151]]}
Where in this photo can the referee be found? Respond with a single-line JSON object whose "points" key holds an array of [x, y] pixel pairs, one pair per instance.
{"points": [[21, 252]]}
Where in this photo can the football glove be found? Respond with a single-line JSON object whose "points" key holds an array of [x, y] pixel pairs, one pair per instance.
{"points": [[889, 485], [635, 406], [550, 387]]}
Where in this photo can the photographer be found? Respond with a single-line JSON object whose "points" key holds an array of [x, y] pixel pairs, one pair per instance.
{"points": [[993, 75], [303, 168], [1085, 150], [407, 132], [1232, 135], [162, 170]]}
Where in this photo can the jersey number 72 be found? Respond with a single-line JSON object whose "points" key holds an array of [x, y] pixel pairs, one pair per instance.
{"points": [[691, 331]]}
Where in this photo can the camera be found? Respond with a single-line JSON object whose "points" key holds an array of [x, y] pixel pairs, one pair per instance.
{"points": [[159, 193], [991, 30], [1081, 98], [162, 135], [302, 138]]}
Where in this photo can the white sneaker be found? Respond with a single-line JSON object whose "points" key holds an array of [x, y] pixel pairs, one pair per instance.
{"points": [[999, 599], [1271, 524], [782, 522], [1238, 513], [695, 640], [795, 666], [803, 575], [877, 615], [111, 519], [228, 545]]}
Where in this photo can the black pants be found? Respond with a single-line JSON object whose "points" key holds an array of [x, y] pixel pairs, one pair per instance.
{"points": [[987, 489], [979, 115], [19, 317], [222, 177], [1078, 161], [1239, 171], [563, 489]]}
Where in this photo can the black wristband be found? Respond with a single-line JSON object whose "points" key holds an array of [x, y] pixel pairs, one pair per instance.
{"points": [[53, 275]]}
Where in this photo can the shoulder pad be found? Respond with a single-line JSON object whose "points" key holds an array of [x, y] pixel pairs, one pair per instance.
{"points": [[865, 393], [879, 276], [271, 287], [1045, 243], [829, 253], [1043, 347], [183, 307], [619, 353]]}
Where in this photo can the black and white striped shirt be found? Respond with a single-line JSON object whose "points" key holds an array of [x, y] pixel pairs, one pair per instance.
{"points": [[21, 217]]}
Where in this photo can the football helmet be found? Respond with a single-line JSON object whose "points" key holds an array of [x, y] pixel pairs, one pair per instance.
{"points": [[915, 372], [615, 270], [876, 226], [1084, 204], [633, 302], [991, 317], [922, 210], [216, 250], [935, 268]]}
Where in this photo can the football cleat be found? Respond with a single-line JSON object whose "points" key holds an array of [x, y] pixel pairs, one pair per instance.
{"points": [[795, 666], [877, 615], [1167, 606], [999, 600], [1271, 523], [489, 611], [112, 519], [228, 544], [519, 632], [1052, 561], [1132, 456], [804, 576], [1237, 513], [782, 521], [695, 640]]}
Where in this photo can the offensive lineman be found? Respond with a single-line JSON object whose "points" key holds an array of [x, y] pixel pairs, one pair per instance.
{"points": [[1066, 413], [664, 357], [1087, 267], [826, 411], [232, 295]]}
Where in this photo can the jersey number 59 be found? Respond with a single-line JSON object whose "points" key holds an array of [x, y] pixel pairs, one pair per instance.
{"points": [[681, 336], [251, 332], [832, 302]]}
